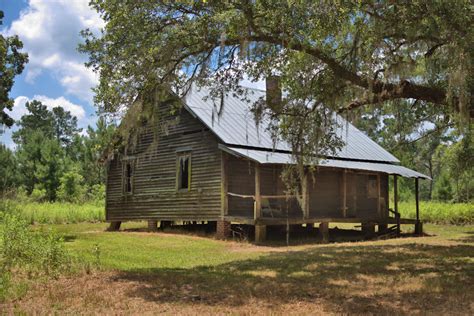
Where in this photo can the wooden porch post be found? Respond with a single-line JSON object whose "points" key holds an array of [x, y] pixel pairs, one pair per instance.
{"points": [[260, 230], [417, 201], [419, 224], [379, 209], [305, 193], [224, 186], [258, 198], [395, 202], [344, 193]]}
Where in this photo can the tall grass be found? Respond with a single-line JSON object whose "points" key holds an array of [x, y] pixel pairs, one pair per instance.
{"points": [[53, 213], [439, 212]]}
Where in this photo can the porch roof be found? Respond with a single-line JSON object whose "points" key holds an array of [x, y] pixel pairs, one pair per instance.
{"points": [[269, 157]]}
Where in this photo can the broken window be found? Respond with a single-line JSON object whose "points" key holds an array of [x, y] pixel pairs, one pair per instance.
{"points": [[184, 171], [127, 175]]}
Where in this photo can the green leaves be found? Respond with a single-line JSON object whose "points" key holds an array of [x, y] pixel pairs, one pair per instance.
{"points": [[12, 62]]}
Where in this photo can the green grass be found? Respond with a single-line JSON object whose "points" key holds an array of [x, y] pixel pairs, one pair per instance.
{"points": [[439, 212], [177, 273], [141, 250], [55, 212]]}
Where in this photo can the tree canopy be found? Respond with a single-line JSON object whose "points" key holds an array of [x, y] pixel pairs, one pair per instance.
{"points": [[348, 57], [12, 62], [343, 54]]}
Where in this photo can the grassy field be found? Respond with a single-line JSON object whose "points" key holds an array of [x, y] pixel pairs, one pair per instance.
{"points": [[66, 213], [440, 212], [170, 273], [54, 212]]}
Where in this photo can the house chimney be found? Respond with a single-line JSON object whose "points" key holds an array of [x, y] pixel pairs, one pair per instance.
{"points": [[273, 92]]}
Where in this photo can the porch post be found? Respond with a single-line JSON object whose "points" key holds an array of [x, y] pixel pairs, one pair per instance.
{"points": [[379, 209], [224, 186], [258, 199], [395, 202], [419, 224], [305, 198], [417, 201], [260, 230], [344, 193]]}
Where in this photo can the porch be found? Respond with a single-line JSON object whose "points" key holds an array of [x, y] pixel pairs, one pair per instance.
{"points": [[254, 194]]}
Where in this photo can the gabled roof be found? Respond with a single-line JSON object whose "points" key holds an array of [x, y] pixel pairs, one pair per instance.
{"points": [[241, 136], [236, 126]]}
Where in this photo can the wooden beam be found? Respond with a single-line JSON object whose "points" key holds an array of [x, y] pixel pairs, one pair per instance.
{"points": [[417, 200], [224, 185], [344, 193], [395, 193], [260, 233], [305, 197], [379, 209], [324, 232], [395, 202], [258, 198]]}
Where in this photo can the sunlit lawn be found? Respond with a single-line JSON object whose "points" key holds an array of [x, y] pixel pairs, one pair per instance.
{"points": [[181, 273]]}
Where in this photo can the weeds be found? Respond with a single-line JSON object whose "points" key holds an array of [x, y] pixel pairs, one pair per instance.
{"points": [[439, 212], [25, 251], [53, 213]]}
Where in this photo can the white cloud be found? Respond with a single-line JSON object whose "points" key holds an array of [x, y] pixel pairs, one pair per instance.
{"points": [[19, 108], [50, 30]]}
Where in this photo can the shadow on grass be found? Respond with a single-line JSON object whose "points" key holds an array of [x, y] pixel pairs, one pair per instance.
{"points": [[347, 279], [468, 239]]}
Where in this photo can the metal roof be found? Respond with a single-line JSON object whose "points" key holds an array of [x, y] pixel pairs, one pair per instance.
{"points": [[268, 157], [236, 126]]}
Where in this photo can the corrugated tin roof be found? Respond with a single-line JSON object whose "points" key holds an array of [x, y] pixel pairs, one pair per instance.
{"points": [[268, 157], [236, 126]]}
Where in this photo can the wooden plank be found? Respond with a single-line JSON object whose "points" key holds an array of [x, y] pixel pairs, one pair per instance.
{"points": [[417, 200], [379, 209], [305, 195], [224, 185], [395, 193], [395, 202], [260, 233], [258, 198], [344, 193]]}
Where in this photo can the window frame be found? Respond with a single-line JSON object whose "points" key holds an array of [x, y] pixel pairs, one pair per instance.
{"points": [[128, 161], [179, 157]]}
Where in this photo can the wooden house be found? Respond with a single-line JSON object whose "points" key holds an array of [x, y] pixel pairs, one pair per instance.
{"points": [[226, 169]]}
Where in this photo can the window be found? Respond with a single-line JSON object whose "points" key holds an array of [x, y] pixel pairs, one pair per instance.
{"points": [[372, 187], [184, 172], [127, 176]]}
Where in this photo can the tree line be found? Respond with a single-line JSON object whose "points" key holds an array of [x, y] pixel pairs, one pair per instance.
{"points": [[54, 159]]}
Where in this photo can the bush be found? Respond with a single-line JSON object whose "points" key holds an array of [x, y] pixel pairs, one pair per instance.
{"points": [[38, 194], [97, 194], [33, 251], [71, 188]]}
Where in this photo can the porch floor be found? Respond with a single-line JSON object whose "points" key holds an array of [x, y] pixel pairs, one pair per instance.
{"points": [[284, 221]]}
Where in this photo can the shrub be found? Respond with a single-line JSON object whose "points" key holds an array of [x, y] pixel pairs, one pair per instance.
{"points": [[33, 251], [71, 188], [97, 194], [38, 194]]}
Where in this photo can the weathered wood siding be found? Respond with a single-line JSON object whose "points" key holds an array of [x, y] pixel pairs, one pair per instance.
{"points": [[155, 194]]}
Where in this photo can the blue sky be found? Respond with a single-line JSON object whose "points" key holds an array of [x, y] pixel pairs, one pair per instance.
{"points": [[55, 74]]}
